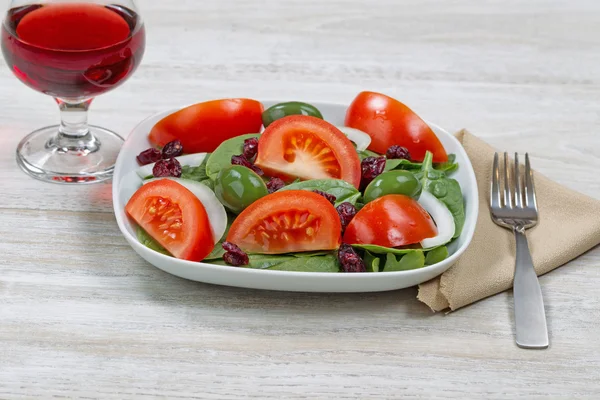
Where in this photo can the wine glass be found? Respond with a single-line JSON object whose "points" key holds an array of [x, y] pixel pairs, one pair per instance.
{"points": [[72, 51]]}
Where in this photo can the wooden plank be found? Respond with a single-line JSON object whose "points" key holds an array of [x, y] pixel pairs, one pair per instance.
{"points": [[84, 317]]}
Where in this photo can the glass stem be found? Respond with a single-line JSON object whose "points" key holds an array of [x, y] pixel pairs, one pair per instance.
{"points": [[74, 136], [73, 118]]}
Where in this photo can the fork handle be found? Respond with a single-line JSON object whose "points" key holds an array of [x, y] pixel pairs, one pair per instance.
{"points": [[530, 318]]}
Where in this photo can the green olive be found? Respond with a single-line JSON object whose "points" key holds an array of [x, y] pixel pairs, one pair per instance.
{"points": [[237, 187], [290, 108], [393, 182]]}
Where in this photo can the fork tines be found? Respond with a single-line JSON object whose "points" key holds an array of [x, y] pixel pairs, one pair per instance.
{"points": [[518, 192]]}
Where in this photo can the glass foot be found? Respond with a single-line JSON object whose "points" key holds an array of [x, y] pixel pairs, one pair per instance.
{"points": [[50, 156]]}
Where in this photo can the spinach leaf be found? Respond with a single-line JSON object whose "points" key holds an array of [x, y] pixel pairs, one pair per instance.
{"points": [[449, 166], [288, 262], [216, 254], [436, 255], [311, 253], [412, 260], [221, 157], [198, 173], [218, 251], [342, 190], [445, 189], [382, 250], [209, 183], [395, 163], [327, 263], [367, 153], [372, 263], [149, 241], [260, 261]]}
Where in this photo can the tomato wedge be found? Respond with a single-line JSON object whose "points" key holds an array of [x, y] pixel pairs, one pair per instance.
{"points": [[202, 127], [390, 122], [305, 147], [289, 221], [390, 221], [174, 217]]}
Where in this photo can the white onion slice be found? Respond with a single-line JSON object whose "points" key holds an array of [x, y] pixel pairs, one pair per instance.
{"points": [[361, 139], [441, 216]]}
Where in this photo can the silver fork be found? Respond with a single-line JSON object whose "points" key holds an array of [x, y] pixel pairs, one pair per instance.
{"points": [[517, 210]]}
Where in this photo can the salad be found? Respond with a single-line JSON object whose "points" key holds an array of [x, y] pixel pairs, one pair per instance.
{"points": [[230, 183]]}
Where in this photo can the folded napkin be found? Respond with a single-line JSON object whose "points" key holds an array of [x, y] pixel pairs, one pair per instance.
{"points": [[568, 226]]}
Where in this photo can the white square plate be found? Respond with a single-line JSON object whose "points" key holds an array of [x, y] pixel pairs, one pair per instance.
{"points": [[126, 182]]}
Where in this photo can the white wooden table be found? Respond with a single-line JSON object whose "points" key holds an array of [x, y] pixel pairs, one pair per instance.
{"points": [[82, 316]]}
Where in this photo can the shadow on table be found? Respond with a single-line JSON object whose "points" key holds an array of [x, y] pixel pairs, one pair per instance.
{"points": [[170, 288]]}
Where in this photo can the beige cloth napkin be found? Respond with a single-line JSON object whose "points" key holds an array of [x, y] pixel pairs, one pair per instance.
{"points": [[569, 225]]}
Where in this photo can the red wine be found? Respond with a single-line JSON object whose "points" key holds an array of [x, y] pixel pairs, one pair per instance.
{"points": [[73, 50]]}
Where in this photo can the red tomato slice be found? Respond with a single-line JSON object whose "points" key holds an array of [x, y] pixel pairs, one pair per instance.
{"points": [[390, 122], [203, 126], [174, 217], [306, 147], [390, 221], [288, 221]]}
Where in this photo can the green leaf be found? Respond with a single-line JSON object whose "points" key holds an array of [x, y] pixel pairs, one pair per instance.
{"points": [[289, 262], [372, 263], [449, 166], [367, 153], [327, 263], [197, 173], [311, 253], [221, 157], [268, 261], [342, 190], [445, 189], [147, 240], [436, 255], [395, 163], [209, 183], [381, 250], [216, 254], [413, 260], [259, 261]]}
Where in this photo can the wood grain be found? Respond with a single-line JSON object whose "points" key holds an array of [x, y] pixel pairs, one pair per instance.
{"points": [[82, 316]]}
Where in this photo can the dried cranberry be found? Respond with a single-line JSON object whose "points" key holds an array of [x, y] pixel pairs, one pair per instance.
{"points": [[172, 149], [346, 211], [371, 168], [349, 260], [243, 161], [398, 152], [274, 185], [250, 148], [330, 198], [149, 156], [170, 167], [234, 255]]}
